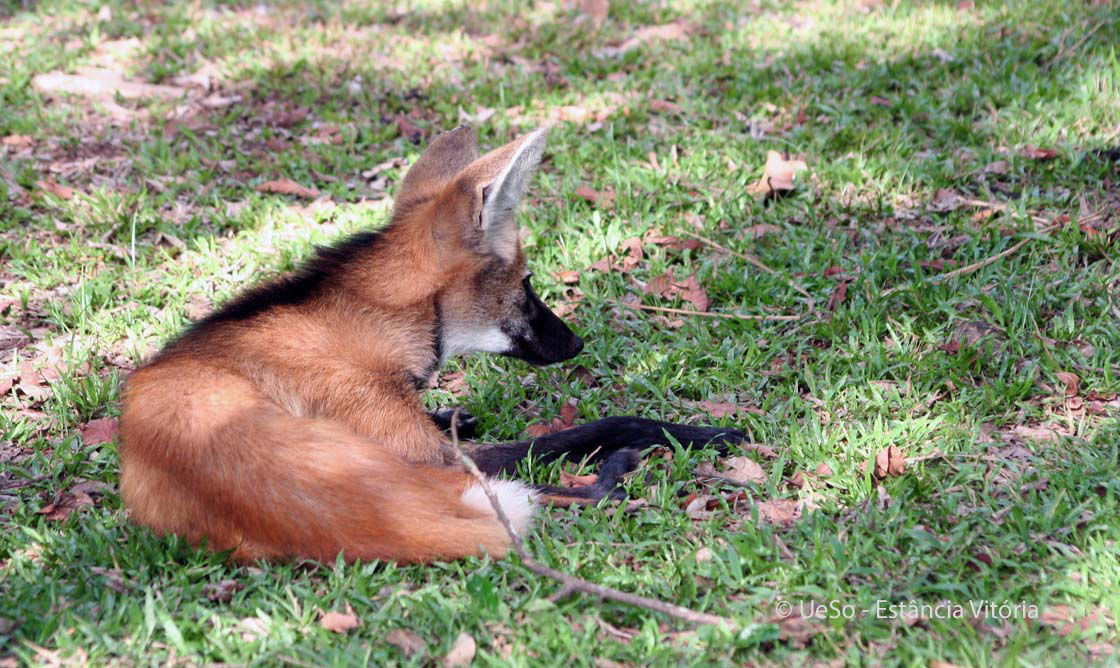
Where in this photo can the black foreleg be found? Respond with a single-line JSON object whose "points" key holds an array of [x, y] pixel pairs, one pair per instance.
{"points": [[598, 439]]}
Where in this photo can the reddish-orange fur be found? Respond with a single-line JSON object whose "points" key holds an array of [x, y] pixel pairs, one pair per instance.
{"points": [[299, 433]]}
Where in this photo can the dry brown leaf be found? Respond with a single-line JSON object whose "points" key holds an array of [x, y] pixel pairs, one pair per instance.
{"points": [[880, 101], [538, 430], [781, 512], [407, 641], [1071, 381], [12, 338], [703, 554], [221, 591], [101, 430], [568, 277], [568, 412], [836, 298], [339, 622], [596, 10], [760, 230], [287, 187], [408, 129], [461, 653], [661, 286], [1043, 433], [824, 470], [946, 199], [573, 480], [600, 199], [998, 167], [64, 504], [691, 291], [1036, 153], [56, 189], [744, 469], [16, 141], [889, 462], [664, 106], [778, 175], [102, 84], [670, 31]]}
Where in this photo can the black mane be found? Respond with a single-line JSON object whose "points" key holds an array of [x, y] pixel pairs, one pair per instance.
{"points": [[294, 288]]}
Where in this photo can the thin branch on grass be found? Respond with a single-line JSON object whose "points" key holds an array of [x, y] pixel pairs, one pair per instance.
{"points": [[705, 314], [1063, 52], [755, 261], [571, 583], [975, 266]]}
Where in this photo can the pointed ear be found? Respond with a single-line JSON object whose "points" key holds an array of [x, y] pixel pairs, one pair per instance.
{"points": [[445, 157], [514, 165]]}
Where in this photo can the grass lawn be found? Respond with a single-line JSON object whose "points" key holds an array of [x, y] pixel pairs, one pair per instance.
{"points": [[937, 422]]}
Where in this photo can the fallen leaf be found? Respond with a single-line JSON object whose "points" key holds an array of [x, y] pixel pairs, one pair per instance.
{"points": [[998, 167], [703, 554], [946, 199], [56, 189], [889, 462], [113, 578], [287, 187], [596, 10], [781, 512], [837, 297], [568, 412], [691, 291], [1036, 153], [573, 480], [670, 31], [407, 641], [339, 622], [778, 175], [664, 106], [881, 101], [102, 84], [408, 129], [17, 141], [760, 230], [568, 277], [480, 116], [1041, 433], [101, 430], [221, 591], [462, 652], [824, 470], [593, 196], [64, 504], [744, 469], [538, 430], [1071, 381], [12, 338]]}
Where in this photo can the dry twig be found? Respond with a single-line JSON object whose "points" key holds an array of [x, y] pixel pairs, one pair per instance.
{"points": [[571, 583], [753, 260], [705, 314]]}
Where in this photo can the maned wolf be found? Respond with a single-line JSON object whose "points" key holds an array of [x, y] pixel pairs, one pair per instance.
{"points": [[289, 423]]}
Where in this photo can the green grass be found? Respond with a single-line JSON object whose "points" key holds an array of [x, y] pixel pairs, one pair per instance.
{"points": [[887, 103]]}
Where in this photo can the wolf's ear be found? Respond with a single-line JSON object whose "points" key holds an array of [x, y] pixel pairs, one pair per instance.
{"points": [[444, 158], [509, 169]]}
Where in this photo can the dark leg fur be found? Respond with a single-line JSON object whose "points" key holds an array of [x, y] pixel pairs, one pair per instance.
{"points": [[617, 465], [603, 438], [466, 426]]}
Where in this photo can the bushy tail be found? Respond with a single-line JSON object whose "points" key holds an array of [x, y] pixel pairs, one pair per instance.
{"points": [[249, 477]]}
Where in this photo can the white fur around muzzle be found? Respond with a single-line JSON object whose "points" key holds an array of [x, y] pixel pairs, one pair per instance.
{"points": [[518, 501]]}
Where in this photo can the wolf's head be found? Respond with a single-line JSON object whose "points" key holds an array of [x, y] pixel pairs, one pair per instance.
{"points": [[486, 303]]}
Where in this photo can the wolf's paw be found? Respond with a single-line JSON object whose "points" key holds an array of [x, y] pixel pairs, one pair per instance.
{"points": [[465, 427]]}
